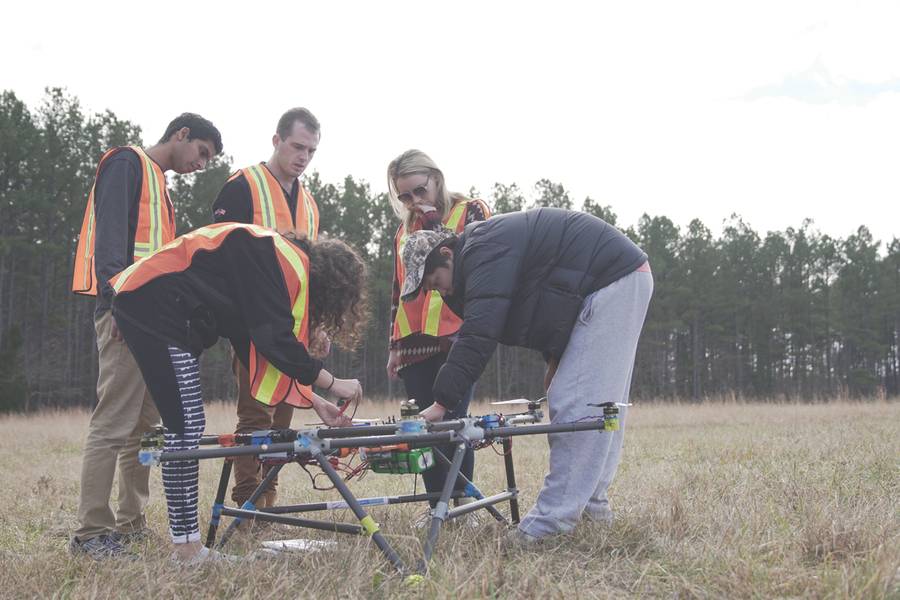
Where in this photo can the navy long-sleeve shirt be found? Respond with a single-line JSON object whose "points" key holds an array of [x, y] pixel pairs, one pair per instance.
{"points": [[117, 194]]}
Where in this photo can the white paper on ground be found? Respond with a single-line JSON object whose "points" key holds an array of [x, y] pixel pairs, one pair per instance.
{"points": [[298, 545]]}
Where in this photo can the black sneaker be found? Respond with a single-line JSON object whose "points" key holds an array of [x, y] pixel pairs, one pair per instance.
{"points": [[131, 537], [100, 547]]}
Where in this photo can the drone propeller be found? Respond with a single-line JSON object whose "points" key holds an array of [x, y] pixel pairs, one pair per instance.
{"points": [[519, 401]]}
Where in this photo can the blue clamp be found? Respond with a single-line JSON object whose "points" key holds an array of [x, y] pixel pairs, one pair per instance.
{"points": [[412, 426], [149, 458], [473, 492], [261, 437], [216, 513], [245, 506], [490, 421]]}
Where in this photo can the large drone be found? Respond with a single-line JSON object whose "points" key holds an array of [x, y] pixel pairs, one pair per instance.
{"points": [[394, 446]]}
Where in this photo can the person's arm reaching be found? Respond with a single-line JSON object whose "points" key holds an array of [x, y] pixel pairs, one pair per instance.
{"points": [[490, 272]]}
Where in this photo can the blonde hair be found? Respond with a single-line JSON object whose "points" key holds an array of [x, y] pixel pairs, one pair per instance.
{"points": [[416, 162]]}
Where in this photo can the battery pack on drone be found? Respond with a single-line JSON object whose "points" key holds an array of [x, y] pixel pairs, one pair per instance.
{"points": [[418, 460], [610, 418]]}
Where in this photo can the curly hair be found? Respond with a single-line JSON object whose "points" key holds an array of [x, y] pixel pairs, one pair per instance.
{"points": [[337, 289]]}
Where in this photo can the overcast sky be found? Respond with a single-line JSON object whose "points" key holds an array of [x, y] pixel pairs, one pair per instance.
{"points": [[777, 111]]}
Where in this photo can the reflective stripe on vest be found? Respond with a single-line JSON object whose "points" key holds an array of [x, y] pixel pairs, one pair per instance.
{"points": [[268, 384], [270, 207], [155, 225], [427, 313]]}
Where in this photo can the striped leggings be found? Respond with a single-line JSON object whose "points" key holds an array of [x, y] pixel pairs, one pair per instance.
{"points": [[181, 478]]}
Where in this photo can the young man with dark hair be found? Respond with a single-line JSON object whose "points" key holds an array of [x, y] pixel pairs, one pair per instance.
{"points": [[270, 194], [198, 129], [562, 282], [128, 216]]}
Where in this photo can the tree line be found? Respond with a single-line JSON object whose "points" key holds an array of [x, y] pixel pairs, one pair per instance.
{"points": [[788, 314]]}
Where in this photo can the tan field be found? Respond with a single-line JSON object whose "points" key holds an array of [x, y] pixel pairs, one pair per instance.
{"points": [[718, 500]]}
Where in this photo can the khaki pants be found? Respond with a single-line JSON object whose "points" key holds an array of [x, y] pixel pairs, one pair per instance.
{"points": [[254, 416], [124, 412]]}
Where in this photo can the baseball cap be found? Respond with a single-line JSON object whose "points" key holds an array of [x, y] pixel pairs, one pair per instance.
{"points": [[419, 245]]}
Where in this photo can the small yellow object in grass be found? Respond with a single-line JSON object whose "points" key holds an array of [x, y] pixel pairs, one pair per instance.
{"points": [[414, 580], [377, 579]]}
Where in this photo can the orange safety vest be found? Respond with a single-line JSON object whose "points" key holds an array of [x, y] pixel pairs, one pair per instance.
{"points": [[270, 207], [155, 226], [268, 384], [427, 313]]}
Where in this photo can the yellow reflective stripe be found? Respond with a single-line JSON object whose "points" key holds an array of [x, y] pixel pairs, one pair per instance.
{"points": [[311, 232], [402, 321], [299, 307], [123, 277], [271, 375], [257, 229], [264, 194], [369, 525], [433, 316], [311, 217], [212, 232], [203, 232], [456, 215], [267, 385], [142, 250], [154, 239], [87, 270]]}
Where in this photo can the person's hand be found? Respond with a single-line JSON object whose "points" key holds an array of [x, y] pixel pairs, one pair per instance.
{"points": [[433, 413], [114, 330], [552, 365], [393, 363], [329, 413], [319, 344], [346, 389]]}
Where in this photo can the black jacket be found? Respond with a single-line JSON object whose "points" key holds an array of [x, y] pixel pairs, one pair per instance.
{"points": [[520, 279], [236, 291]]}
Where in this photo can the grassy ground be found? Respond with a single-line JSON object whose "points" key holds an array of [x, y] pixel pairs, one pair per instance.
{"points": [[716, 500]]}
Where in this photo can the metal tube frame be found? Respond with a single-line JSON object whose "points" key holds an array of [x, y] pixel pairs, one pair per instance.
{"points": [[330, 440]]}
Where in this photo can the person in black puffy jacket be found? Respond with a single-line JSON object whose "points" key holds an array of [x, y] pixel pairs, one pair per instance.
{"points": [[566, 284]]}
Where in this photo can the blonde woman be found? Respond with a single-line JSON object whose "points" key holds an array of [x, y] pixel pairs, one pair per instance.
{"points": [[423, 328]]}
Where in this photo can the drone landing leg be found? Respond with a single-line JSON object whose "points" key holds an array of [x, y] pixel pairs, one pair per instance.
{"points": [[476, 493], [250, 504]]}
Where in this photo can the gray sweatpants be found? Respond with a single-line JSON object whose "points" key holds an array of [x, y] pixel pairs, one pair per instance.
{"points": [[596, 367]]}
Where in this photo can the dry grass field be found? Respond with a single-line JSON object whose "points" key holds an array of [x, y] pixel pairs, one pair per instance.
{"points": [[713, 501]]}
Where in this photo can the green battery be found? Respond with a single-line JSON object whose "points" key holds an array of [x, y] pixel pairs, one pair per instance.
{"points": [[610, 418], [154, 438], [402, 462]]}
